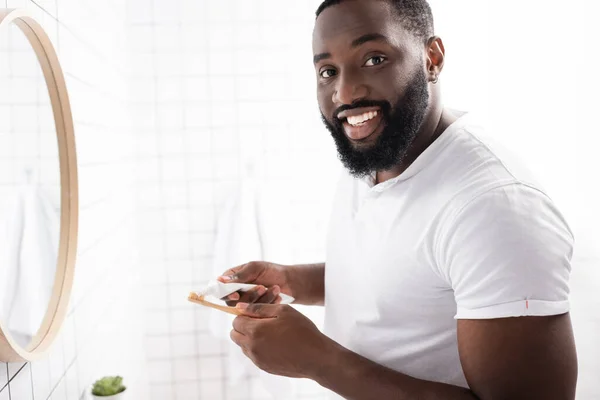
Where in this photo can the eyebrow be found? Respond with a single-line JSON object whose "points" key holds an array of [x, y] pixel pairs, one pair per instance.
{"points": [[320, 57], [369, 37]]}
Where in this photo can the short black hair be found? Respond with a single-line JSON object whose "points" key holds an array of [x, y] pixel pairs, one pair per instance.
{"points": [[414, 15]]}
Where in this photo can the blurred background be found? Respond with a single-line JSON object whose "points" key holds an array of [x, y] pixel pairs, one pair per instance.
{"points": [[198, 118]]}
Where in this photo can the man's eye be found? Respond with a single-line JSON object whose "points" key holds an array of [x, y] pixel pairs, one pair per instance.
{"points": [[327, 73], [373, 61]]}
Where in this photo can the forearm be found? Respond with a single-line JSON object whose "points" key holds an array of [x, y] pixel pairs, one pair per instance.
{"points": [[357, 378], [307, 283]]}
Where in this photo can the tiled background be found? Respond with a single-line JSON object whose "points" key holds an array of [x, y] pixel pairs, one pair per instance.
{"points": [[218, 88], [214, 87], [102, 333]]}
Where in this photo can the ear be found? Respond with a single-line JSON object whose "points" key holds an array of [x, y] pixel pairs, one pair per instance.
{"points": [[435, 56]]}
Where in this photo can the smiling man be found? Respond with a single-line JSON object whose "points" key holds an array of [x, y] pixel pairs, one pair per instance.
{"points": [[447, 267]]}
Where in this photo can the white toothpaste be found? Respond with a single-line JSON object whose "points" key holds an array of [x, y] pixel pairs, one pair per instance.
{"points": [[219, 290]]}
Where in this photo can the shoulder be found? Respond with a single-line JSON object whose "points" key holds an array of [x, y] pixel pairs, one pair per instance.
{"points": [[476, 169], [507, 252]]}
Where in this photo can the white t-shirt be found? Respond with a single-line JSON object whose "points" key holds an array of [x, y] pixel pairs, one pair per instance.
{"points": [[463, 233]]}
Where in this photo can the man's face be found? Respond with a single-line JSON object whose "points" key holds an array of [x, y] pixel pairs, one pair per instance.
{"points": [[372, 87]]}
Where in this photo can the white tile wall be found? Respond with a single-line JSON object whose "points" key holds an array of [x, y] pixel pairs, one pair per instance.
{"points": [[3, 376], [20, 385], [103, 331], [208, 94]]}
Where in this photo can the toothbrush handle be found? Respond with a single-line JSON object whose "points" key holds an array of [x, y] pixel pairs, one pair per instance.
{"points": [[194, 298]]}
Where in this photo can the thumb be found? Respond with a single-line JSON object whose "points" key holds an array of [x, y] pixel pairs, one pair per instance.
{"points": [[260, 310], [241, 274]]}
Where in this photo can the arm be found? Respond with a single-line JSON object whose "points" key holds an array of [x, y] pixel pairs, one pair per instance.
{"points": [[307, 283], [514, 358]]}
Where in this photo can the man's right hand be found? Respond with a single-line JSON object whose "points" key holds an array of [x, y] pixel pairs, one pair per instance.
{"points": [[270, 278]]}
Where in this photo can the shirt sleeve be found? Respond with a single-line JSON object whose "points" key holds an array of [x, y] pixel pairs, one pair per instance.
{"points": [[507, 253]]}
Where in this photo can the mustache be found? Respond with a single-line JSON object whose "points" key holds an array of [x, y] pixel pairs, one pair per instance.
{"points": [[384, 105]]}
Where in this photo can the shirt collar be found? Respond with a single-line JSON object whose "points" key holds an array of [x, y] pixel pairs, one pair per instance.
{"points": [[424, 158]]}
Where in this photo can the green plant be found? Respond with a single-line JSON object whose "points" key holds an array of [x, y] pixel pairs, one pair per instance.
{"points": [[108, 386]]}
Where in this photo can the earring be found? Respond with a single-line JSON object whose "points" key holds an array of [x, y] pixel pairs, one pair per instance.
{"points": [[435, 80]]}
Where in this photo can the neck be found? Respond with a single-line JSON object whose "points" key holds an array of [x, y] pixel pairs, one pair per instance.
{"points": [[436, 122]]}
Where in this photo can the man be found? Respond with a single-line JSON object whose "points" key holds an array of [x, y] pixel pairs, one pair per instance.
{"points": [[447, 270]]}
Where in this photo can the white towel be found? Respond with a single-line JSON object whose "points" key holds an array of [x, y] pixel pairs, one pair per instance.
{"points": [[30, 253], [238, 241]]}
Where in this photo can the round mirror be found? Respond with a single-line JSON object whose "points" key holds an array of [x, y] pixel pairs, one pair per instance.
{"points": [[38, 190]]}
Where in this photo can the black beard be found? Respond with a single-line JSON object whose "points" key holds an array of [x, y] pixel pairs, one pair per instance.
{"points": [[401, 126]]}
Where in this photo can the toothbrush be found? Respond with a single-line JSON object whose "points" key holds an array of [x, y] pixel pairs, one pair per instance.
{"points": [[195, 298]]}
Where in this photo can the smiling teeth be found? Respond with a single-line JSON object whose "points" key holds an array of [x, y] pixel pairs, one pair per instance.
{"points": [[359, 120]]}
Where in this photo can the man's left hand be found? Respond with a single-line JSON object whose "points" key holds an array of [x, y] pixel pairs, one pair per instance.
{"points": [[280, 340]]}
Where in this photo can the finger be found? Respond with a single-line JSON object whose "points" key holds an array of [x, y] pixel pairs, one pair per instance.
{"points": [[278, 300], [270, 296], [254, 294], [232, 299], [248, 297], [228, 276], [235, 296], [246, 273], [238, 338], [261, 310], [244, 325]]}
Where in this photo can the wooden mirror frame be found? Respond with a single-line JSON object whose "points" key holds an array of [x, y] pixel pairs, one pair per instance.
{"points": [[10, 351]]}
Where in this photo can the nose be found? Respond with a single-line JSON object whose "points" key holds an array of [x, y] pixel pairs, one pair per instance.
{"points": [[349, 89]]}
